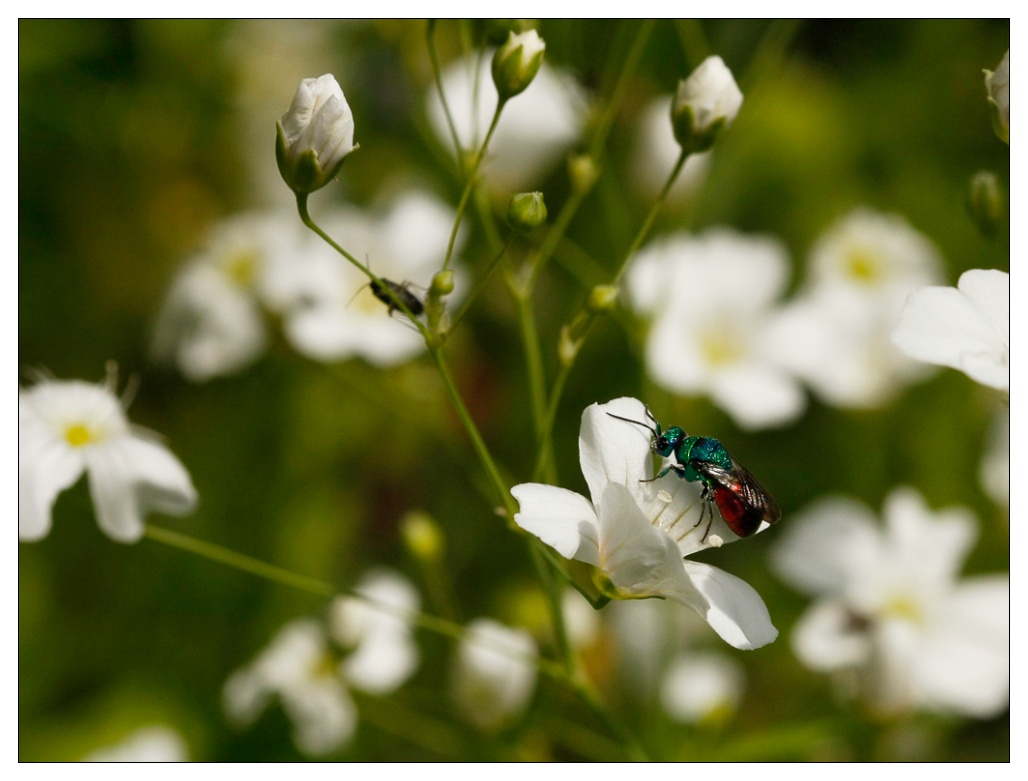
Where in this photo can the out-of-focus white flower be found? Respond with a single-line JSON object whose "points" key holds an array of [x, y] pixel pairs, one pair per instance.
{"points": [[494, 675], [534, 131], [517, 62], [637, 533], [835, 333], [997, 85], [705, 104], [300, 668], [994, 472], [702, 686], [314, 135], [656, 151], [712, 298], [211, 323], [868, 263], [966, 328], [310, 676], [329, 311], [890, 609], [378, 630], [67, 427], [156, 743]]}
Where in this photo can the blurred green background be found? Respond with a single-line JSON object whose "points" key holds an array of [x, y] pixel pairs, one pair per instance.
{"points": [[136, 136]]}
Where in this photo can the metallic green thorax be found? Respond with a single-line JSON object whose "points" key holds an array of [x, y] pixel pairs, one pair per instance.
{"points": [[704, 449], [689, 449]]}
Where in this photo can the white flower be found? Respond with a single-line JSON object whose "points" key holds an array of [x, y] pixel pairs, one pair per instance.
{"points": [[702, 686], [656, 151], [156, 743], [314, 135], [330, 313], [966, 328], [300, 668], [69, 427], [868, 263], [311, 677], [634, 535], [378, 630], [997, 85], [517, 62], [211, 323], [835, 333], [712, 300], [890, 608], [494, 674], [706, 103], [535, 131]]}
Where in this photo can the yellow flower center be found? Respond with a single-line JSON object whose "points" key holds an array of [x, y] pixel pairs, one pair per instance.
{"points": [[242, 267], [720, 349], [864, 266], [79, 435], [904, 608]]}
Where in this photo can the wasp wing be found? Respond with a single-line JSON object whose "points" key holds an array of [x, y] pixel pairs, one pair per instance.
{"points": [[745, 490]]}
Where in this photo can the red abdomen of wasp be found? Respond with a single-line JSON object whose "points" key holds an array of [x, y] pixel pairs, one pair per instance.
{"points": [[742, 518]]}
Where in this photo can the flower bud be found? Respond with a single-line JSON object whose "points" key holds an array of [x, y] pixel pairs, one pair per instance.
{"points": [[442, 283], [422, 536], [997, 84], [985, 202], [583, 172], [601, 299], [526, 211], [706, 102], [516, 63], [315, 135]]}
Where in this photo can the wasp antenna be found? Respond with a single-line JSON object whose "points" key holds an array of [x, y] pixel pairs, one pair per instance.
{"points": [[629, 420]]}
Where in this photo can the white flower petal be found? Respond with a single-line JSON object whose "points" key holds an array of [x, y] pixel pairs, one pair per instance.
{"points": [[965, 328], [827, 637], [967, 670], [324, 717], [698, 685], [494, 674], [736, 612], [162, 483], [822, 546], [46, 466], [612, 449], [640, 559], [564, 520]]}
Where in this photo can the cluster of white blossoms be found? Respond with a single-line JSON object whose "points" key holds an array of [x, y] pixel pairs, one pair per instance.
{"points": [[367, 645], [709, 299], [891, 619], [213, 322], [718, 325]]}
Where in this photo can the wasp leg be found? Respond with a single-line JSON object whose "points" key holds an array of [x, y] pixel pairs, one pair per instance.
{"points": [[678, 469], [707, 507]]}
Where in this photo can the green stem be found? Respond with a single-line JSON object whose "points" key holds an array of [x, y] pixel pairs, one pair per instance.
{"points": [[480, 284], [241, 562], [476, 438], [301, 205], [534, 365], [433, 57], [655, 209], [469, 184]]}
